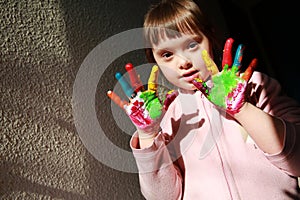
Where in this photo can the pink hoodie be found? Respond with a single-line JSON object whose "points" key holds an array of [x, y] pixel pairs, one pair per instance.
{"points": [[203, 154]]}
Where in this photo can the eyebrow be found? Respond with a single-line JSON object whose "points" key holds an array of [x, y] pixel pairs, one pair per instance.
{"points": [[160, 51], [195, 38]]}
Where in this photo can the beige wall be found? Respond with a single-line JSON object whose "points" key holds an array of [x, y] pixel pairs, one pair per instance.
{"points": [[43, 44]]}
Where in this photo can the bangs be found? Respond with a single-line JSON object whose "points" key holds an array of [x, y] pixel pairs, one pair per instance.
{"points": [[168, 23]]}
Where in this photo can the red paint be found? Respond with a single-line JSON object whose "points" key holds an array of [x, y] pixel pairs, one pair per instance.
{"points": [[227, 54], [134, 78]]}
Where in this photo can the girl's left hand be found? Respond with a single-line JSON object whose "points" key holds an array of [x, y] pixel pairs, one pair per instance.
{"points": [[226, 89]]}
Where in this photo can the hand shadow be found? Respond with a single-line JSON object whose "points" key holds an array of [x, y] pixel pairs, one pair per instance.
{"points": [[182, 137], [183, 134]]}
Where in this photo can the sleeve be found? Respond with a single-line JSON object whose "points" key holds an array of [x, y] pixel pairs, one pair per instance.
{"points": [[267, 94], [159, 177], [160, 172]]}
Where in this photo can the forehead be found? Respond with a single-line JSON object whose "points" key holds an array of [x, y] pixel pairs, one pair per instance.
{"points": [[169, 42], [154, 34]]}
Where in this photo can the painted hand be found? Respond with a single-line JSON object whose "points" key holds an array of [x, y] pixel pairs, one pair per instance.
{"points": [[144, 108], [227, 89]]}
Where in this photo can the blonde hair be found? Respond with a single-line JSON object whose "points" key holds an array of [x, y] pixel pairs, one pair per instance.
{"points": [[170, 18]]}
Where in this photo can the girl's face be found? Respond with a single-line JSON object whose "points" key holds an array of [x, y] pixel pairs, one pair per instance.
{"points": [[180, 59]]}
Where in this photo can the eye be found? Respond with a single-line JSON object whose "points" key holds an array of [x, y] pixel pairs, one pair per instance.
{"points": [[193, 45], [166, 55]]}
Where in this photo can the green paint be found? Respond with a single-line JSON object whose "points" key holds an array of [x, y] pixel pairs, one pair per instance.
{"points": [[224, 83], [152, 104]]}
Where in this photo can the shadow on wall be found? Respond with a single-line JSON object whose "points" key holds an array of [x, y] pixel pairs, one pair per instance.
{"points": [[8, 177]]}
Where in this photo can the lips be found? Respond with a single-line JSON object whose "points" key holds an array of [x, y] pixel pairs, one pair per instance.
{"points": [[191, 75]]}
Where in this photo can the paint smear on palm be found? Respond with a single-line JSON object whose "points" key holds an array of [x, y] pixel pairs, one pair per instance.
{"points": [[146, 107], [224, 83]]}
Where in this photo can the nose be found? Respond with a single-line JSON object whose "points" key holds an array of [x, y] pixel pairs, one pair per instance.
{"points": [[184, 63]]}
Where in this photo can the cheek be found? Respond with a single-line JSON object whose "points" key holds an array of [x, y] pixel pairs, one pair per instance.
{"points": [[200, 65], [199, 62], [169, 73]]}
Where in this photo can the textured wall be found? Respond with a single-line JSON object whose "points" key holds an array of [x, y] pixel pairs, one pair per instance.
{"points": [[43, 44]]}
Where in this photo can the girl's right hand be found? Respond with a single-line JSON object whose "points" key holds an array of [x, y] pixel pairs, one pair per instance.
{"points": [[144, 108]]}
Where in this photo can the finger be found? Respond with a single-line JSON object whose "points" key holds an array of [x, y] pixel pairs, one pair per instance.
{"points": [[227, 57], [170, 96], [125, 85], [200, 85], [238, 56], [116, 99], [249, 71], [134, 78], [152, 81], [210, 64]]}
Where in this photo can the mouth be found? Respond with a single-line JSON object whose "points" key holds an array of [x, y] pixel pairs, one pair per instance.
{"points": [[191, 75]]}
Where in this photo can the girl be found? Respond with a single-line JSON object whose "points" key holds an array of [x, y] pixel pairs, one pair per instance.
{"points": [[246, 147]]}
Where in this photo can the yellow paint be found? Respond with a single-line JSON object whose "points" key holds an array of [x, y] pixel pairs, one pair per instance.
{"points": [[152, 81], [210, 64]]}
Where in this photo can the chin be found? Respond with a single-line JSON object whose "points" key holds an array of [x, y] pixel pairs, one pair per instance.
{"points": [[189, 88]]}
